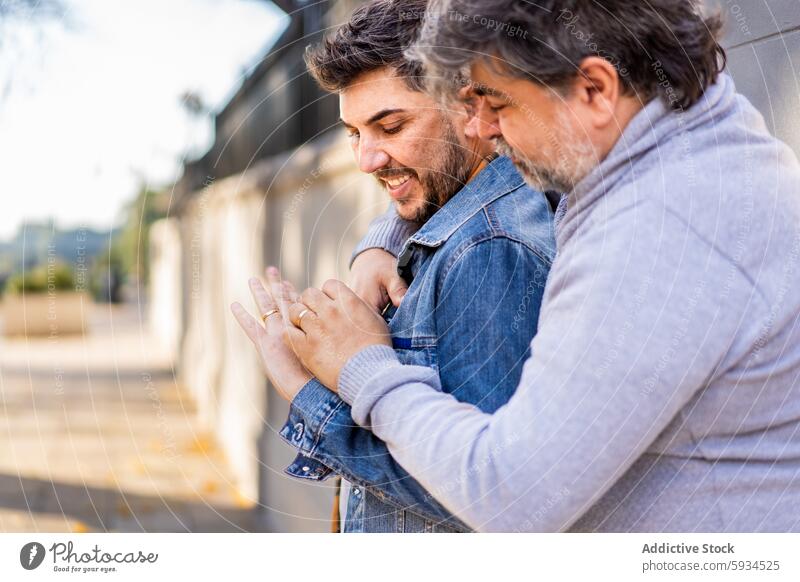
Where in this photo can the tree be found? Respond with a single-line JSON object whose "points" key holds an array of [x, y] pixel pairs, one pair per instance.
{"points": [[16, 15], [30, 9]]}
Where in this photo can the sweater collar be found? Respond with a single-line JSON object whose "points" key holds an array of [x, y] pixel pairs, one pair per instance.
{"points": [[653, 126]]}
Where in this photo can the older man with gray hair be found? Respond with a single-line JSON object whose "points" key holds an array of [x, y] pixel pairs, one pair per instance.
{"points": [[663, 388]]}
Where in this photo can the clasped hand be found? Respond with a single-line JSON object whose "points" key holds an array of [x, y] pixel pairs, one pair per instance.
{"points": [[311, 334]]}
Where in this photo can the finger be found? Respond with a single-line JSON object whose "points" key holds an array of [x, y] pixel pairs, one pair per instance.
{"points": [[296, 341], [333, 288], [301, 316], [276, 289], [261, 296], [314, 299], [273, 277], [373, 294], [337, 291], [247, 322], [275, 321], [397, 289], [290, 292], [345, 299], [377, 298]]}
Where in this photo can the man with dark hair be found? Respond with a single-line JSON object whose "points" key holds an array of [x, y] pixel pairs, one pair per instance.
{"points": [[663, 388], [475, 244]]}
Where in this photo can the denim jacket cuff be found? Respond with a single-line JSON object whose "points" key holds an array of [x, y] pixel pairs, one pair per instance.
{"points": [[307, 468], [309, 413], [362, 367]]}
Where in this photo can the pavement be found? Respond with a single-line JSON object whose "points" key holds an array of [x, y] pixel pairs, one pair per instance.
{"points": [[97, 435]]}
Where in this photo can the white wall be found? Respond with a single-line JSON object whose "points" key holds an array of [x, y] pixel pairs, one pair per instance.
{"points": [[304, 212]]}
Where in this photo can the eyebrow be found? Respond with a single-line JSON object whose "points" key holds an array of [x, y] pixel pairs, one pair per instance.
{"points": [[484, 91], [377, 117]]}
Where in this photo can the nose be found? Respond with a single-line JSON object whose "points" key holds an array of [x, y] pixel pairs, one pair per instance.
{"points": [[371, 156], [486, 121]]}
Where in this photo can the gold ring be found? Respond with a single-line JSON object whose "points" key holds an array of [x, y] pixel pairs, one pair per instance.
{"points": [[268, 313], [300, 317]]}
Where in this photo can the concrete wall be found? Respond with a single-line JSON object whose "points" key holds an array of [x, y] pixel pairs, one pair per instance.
{"points": [[166, 300], [763, 45], [304, 212]]}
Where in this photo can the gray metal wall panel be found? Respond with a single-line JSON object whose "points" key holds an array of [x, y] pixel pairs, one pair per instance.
{"points": [[768, 74], [751, 20]]}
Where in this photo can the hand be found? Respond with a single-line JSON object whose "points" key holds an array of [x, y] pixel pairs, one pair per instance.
{"points": [[280, 364], [374, 278], [335, 325]]}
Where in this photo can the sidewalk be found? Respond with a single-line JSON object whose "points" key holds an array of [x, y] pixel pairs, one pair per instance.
{"points": [[95, 435]]}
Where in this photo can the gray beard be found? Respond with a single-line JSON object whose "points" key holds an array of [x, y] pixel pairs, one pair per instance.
{"points": [[537, 177], [575, 160]]}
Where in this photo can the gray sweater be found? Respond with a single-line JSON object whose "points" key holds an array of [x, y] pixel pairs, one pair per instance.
{"points": [[663, 390]]}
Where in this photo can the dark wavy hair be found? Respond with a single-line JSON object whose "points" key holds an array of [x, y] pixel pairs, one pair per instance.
{"points": [[665, 48], [376, 36]]}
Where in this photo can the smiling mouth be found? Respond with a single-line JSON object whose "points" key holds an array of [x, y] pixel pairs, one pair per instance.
{"points": [[398, 181]]}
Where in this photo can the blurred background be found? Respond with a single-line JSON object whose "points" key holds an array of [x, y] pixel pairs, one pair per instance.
{"points": [[154, 156]]}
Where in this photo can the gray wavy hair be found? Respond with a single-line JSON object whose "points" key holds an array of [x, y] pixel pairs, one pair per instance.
{"points": [[665, 48]]}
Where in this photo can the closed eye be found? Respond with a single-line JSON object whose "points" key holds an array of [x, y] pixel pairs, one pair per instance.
{"points": [[393, 130]]}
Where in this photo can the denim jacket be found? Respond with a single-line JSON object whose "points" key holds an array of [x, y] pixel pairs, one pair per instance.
{"points": [[477, 271]]}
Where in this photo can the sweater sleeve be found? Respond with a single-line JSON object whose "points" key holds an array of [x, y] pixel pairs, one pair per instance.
{"points": [[388, 232], [635, 320]]}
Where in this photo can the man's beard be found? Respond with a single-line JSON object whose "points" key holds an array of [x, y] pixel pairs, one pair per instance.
{"points": [[445, 177], [574, 159]]}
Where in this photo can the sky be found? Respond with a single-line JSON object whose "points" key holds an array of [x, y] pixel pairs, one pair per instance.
{"points": [[90, 107]]}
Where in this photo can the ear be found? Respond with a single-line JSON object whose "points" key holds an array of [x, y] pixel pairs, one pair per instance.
{"points": [[466, 99], [598, 87]]}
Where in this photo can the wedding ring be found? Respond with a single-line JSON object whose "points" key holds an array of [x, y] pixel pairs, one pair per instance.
{"points": [[300, 317], [268, 313]]}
